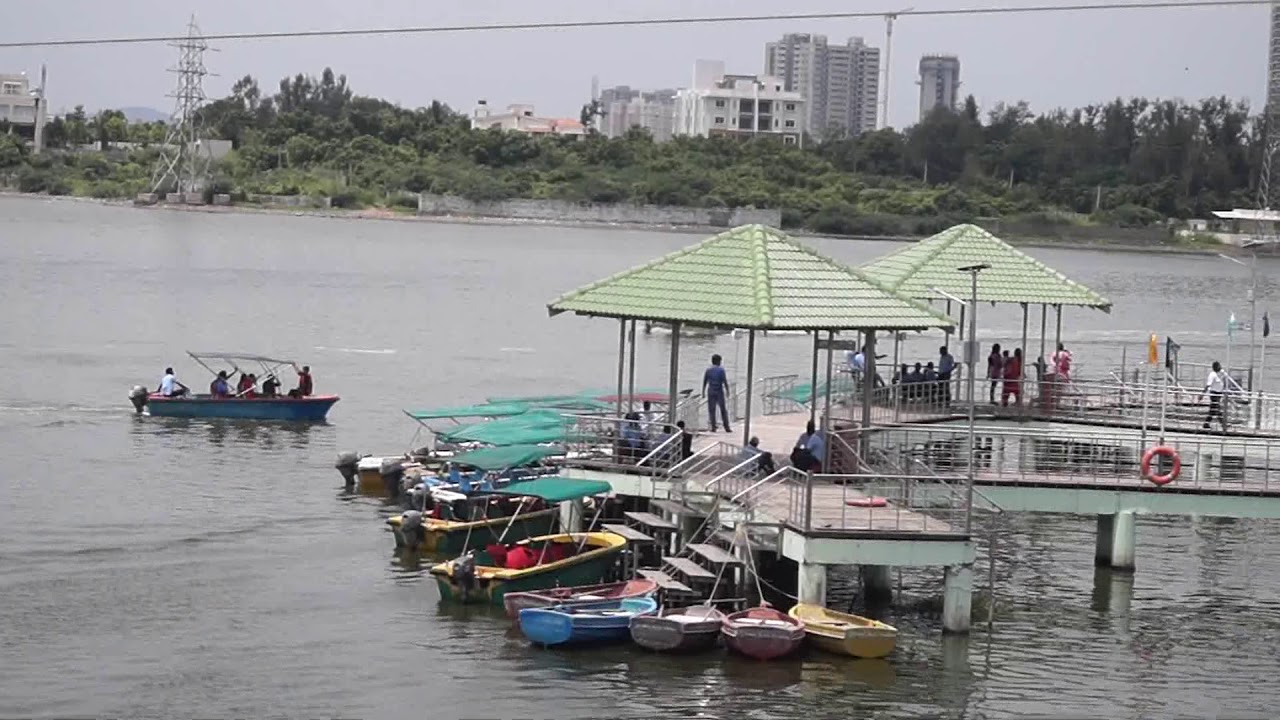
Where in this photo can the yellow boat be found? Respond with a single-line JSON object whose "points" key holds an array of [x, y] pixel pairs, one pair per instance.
{"points": [[845, 634], [476, 578]]}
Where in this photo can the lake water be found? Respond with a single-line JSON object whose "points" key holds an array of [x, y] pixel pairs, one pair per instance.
{"points": [[153, 568]]}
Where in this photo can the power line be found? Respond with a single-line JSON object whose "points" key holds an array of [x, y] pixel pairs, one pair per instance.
{"points": [[568, 25]]}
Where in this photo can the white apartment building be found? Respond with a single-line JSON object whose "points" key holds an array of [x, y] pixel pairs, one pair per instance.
{"points": [[522, 118], [840, 83], [625, 108], [739, 105], [939, 83]]}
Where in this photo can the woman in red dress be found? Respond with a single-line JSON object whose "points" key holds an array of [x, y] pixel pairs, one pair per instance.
{"points": [[1012, 379]]}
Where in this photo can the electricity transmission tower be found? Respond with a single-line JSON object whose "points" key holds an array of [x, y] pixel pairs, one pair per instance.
{"points": [[183, 167]]}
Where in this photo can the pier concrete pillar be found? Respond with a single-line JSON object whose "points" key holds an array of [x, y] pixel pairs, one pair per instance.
{"points": [[571, 516], [957, 598], [812, 585], [877, 583], [1117, 541]]}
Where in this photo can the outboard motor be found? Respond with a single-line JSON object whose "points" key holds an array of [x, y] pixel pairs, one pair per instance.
{"points": [[464, 572], [346, 465], [412, 530], [138, 396], [392, 471]]}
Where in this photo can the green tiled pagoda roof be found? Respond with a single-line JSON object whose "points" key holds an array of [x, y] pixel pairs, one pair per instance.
{"points": [[751, 277], [921, 269]]}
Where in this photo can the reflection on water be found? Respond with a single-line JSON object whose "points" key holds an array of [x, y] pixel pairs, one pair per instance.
{"points": [[147, 565]]}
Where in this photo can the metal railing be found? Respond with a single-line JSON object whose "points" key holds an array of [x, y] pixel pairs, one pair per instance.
{"points": [[650, 446], [1084, 458], [871, 503]]}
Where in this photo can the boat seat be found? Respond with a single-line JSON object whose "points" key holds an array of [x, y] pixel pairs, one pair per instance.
{"points": [[665, 581], [689, 568]]}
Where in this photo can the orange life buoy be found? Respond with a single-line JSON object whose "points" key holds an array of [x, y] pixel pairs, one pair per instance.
{"points": [[1162, 451], [867, 502]]}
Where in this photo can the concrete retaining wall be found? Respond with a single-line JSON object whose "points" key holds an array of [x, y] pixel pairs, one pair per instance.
{"points": [[562, 211], [289, 200]]}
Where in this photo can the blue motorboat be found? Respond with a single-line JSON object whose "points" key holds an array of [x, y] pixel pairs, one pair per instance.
{"points": [[584, 624], [255, 397]]}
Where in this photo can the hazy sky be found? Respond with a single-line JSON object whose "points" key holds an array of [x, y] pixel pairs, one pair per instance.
{"points": [[1050, 60]]}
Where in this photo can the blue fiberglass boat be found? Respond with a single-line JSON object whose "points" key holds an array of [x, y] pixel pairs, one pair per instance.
{"points": [[247, 404], [583, 624]]}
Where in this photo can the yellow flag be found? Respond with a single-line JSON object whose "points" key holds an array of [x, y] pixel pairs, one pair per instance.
{"points": [[1153, 352]]}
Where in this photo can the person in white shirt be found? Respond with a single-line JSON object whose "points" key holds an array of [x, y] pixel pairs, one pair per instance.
{"points": [[1215, 386], [169, 385]]}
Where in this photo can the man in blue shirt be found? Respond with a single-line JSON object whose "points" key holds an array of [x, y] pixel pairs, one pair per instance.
{"points": [[946, 366], [714, 385]]}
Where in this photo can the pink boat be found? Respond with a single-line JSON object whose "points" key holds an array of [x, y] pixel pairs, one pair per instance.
{"points": [[580, 595], [762, 633]]}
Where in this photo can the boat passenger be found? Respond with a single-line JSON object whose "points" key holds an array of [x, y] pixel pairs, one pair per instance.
{"points": [[251, 386], [270, 386], [520, 558], [245, 384], [305, 386], [169, 385], [220, 388]]}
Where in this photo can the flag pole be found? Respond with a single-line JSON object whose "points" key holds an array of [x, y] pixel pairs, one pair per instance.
{"points": [[1262, 369]]}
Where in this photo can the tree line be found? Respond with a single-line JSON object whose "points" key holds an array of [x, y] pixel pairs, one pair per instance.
{"points": [[1130, 162]]}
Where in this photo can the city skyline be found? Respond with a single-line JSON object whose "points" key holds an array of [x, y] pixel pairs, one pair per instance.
{"points": [[1187, 53]]}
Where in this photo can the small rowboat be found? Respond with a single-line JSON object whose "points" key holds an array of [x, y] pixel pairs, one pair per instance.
{"points": [[845, 634], [594, 623], [679, 630], [574, 596], [762, 633]]}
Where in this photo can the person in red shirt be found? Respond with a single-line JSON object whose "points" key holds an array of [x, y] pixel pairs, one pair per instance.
{"points": [[305, 386], [1012, 379]]}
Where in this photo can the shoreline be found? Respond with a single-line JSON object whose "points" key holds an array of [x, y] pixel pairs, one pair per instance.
{"points": [[385, 214]]}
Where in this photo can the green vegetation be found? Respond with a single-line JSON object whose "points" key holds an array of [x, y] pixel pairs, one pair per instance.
{"points": [[1128, 163]]}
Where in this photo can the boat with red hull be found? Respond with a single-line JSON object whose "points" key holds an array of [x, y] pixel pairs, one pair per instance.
{"points": [[762, 633]]}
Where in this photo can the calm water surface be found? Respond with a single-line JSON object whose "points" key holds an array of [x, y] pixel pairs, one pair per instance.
{"points": [[153, 568]]}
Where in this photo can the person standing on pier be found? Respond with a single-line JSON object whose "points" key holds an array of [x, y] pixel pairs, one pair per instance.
{"points": [[714, 385], [1215, 386], [1012, 379], [995, 370], [946, 366]]}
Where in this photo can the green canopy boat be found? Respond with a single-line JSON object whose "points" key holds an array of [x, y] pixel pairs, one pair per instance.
{"points": [[506, 457], [531, 428], [563, 560]]}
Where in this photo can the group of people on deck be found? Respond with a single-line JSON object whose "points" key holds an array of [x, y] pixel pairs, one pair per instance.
{"points": [[928, 382], [247, 387], [1005, 372]]}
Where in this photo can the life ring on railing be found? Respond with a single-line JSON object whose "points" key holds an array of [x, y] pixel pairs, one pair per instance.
{"points": [[1162, 451], [867, 502]]}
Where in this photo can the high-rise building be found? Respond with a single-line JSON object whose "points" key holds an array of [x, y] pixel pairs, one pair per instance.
{"points": [[939, 83], [625, 108], [739, 105], [840, 83]]}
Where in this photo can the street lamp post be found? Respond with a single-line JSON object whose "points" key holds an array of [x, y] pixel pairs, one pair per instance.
{"points": [[1251, 245], [971, 359]]}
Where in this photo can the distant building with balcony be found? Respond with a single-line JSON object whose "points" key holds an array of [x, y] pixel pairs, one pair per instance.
{"points": [[739, 105], [22, 106], [522, 118], [625, 108]]}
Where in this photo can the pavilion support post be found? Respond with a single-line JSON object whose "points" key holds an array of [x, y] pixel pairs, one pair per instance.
{"points": [[897, 390], [1044, 333], [1022, 371], [751, 379], [631, 382], [868, 389], [1057, 335], [673, 387], [813, 382], [826, 405], [622, 360]]}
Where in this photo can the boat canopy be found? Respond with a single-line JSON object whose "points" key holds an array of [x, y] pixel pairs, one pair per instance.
{"points": [[556, 489], [501, 458], [242, 357], [531, 428], [481, 410]]}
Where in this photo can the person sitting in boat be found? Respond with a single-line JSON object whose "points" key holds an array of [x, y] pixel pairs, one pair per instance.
{"points": [[521, 557], [220, 388], [169, 385], [244, 385], [251, 387], [305, 385], [271, 386]]}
